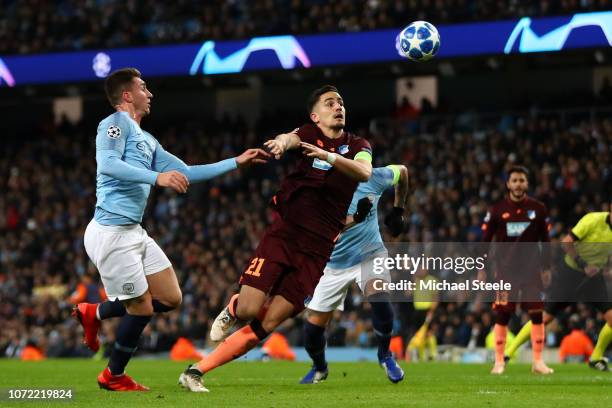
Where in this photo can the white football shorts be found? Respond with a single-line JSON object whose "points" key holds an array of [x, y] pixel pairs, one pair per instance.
{"points": [[124, 255], [333, 286]]}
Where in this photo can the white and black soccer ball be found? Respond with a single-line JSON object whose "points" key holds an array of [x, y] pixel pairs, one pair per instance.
{"points": [[420, 41]]}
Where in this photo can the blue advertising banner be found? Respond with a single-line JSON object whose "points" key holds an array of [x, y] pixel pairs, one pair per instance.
{"points": [[527, 35]]}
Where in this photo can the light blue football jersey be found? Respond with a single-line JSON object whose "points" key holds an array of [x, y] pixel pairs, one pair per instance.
{"points": [[363, 240], [129, 161], [122, 201]]}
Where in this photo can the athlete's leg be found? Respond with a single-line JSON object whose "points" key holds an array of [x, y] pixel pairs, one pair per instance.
{"points": [[537, 341], [314, 340], [248, 303], [249, 336], [597, 360], [165, 291], [503, 312], [382, 321], [131, 325]]}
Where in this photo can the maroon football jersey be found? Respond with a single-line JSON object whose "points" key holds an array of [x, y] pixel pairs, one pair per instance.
{"points": [[315, 196], [521, 222]]}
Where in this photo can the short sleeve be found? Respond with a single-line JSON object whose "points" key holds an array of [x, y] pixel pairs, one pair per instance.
{"points": [[581, 230], [113, 133]]}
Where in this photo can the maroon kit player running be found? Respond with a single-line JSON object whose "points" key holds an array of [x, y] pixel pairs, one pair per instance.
{"points": [[312, 203], [517, 219]]}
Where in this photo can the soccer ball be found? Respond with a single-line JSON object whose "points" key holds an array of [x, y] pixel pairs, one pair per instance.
{"points": [[420, 41]]}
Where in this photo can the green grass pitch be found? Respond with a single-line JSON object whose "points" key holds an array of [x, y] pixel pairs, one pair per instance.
{"points": [[275, 384]]}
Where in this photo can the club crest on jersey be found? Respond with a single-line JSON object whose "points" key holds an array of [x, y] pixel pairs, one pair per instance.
{"points": [[516, 229], [343, 149], [114, 132], [487, 217], [321, 164], [505, 215], [531, 214]]}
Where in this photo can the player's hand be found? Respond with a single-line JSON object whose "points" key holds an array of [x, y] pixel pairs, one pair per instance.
{"points": [[173, 179], [395, 221], [546, 278], [314, 151], [252, 156], [363, 209], [591, 270], [276, 147]]}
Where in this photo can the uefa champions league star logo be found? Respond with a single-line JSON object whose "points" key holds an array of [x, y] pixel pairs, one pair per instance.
{"points": [[114, 132], [286, 47], [5, 75], [555, 40], [101, 65]]}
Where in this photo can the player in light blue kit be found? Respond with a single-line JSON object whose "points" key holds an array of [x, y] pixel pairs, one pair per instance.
{"points": [[137, 276], [357, 245]]}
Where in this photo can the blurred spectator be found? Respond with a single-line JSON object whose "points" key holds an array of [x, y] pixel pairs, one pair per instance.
{"points": [[576, 346], [39, 26], [48, 185]]}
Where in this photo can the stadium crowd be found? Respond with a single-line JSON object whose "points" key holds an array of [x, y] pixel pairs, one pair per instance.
{"points": [[48, 185], [29, 26]]}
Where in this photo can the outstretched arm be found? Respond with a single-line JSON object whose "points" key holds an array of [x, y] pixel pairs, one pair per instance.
{"points": [[283, 142], [164, 161], [358, 168], [110, 164]]}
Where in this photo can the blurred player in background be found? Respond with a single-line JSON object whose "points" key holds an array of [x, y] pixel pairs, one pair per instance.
{"points": [[581, 276], [312, 203], [519, 218], [351, 262], [137, 276], [421, 313]]}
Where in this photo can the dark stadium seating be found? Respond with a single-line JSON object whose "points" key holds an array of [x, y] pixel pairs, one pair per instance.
{"points": [[40, 26], [48, 197]]}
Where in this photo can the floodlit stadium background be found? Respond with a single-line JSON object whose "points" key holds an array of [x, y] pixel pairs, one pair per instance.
{"points": [[528, 84]]}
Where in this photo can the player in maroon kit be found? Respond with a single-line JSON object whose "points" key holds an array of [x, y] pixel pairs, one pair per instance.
{"points": [[519, 218], [289, 261]]}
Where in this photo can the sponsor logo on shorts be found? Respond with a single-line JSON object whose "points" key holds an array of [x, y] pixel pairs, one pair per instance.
{"points": [[128, 288]]}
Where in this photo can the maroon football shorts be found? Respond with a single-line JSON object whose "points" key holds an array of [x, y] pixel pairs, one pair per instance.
{"points": [[529, 296], [289, 262]]}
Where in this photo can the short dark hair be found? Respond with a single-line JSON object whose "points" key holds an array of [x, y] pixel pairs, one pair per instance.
{"points": [[518, 169], [316, 94], [117, 81]]}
